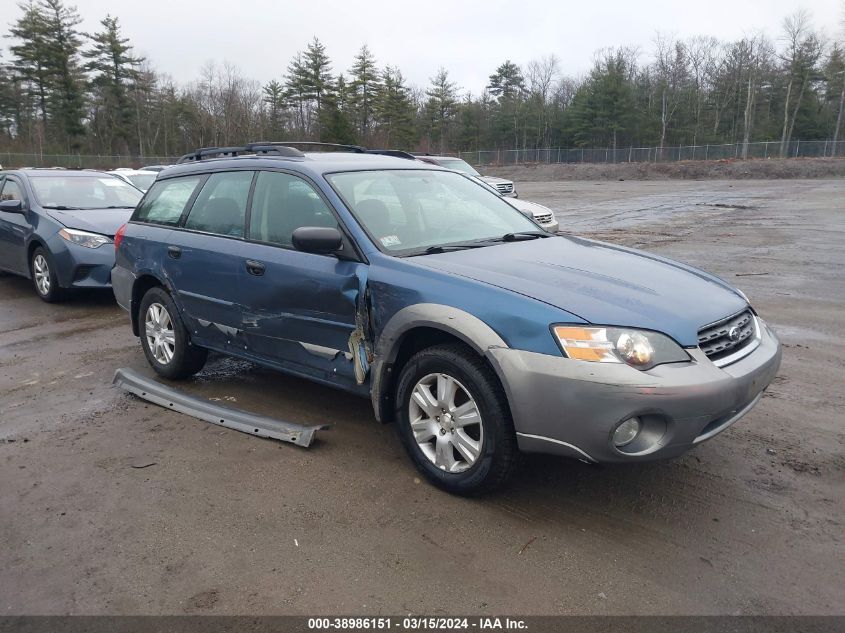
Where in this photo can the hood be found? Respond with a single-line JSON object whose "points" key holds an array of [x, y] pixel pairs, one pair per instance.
{"points": [[102, 221], [528, 207], [600, 283], [493, 180]]}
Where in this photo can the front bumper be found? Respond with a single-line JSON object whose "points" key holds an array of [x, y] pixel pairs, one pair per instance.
{"points": [[80, 267], [570, 407]]}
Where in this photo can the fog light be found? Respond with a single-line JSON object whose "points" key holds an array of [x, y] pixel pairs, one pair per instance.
{"points": [[626, 432]]}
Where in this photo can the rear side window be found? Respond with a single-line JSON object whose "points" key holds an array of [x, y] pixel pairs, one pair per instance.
{"points": [[166, 200], [11, 191], [283, 203], [221, 206]]}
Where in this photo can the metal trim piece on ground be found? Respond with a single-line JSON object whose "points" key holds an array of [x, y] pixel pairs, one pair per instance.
{"points": [[169, 398]]}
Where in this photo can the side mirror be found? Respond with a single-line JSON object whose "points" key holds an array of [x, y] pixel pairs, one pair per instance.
{"points": [[317, 239], [11, 206]]}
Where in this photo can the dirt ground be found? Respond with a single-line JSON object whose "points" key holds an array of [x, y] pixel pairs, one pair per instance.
{"points": [[773, 168], [112, 505]]}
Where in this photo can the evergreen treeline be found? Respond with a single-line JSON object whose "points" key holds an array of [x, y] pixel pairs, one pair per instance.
{"points": [[64, 91]]}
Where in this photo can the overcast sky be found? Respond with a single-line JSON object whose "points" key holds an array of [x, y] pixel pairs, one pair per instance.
{"points": [[469, 38]]}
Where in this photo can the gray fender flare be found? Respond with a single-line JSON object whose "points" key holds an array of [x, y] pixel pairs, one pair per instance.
{"points": [[460, 324]]}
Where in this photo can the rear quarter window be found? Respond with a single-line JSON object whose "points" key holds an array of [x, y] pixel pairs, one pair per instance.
{"points": [[166, 200]]}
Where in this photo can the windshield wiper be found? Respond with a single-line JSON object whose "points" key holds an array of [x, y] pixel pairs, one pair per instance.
{"points": [[116, 206], [60, 207], [521, 236], [444, 248]]}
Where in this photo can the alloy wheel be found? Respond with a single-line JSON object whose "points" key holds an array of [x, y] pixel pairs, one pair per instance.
{"points": [[158, 328], [446, 422], [41, 271]]}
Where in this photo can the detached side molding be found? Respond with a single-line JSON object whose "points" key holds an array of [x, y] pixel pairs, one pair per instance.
{"points": [[259, 425]]}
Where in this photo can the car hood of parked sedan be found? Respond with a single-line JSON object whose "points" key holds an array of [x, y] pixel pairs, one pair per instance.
{"points": [[527, 207], [494, 180], [102, 221], [600, 283]]}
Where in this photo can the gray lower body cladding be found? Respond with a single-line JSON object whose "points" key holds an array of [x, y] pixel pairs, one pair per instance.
{"points": [[169, 398], [572, 408]]}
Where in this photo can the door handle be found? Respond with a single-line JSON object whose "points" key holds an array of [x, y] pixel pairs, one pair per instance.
{"points": [[174, 252], [254, 268]]}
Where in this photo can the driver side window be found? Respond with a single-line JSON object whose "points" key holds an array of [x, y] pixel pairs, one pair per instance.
{"points": [[282, 203], [11, 191]]}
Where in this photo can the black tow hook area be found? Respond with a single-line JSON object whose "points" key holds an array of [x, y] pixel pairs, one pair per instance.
{"points": [[169, 398]]}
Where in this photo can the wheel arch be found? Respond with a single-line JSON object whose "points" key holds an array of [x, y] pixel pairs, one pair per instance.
{"points": [[416, 328], [34, 243], [139, 288]]}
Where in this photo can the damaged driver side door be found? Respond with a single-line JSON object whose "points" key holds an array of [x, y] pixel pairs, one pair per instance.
{"points": [[298, 309]]}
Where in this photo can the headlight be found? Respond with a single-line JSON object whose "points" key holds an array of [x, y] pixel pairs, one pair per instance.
{"points": [[82, 238], [641, 349]]}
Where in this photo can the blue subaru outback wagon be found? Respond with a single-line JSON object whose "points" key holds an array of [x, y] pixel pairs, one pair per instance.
{"points": [[463, 321]]}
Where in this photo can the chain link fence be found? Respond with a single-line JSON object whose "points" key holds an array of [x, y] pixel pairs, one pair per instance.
{"points": [[80, 161], [760, 150]]}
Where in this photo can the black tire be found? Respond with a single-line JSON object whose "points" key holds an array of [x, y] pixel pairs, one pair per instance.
{"points": [[498, 451], [51, 292], [186, 359]]}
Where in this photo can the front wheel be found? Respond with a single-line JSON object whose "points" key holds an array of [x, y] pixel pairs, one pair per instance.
{"points": [[454, 420], [164, 338], [44, 277]]}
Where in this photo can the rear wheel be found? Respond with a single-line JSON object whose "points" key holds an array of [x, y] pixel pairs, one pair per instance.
{"points": [[454, 420], [164, 338], [44, 276]]}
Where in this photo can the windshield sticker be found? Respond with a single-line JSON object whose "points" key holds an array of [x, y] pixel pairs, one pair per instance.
{"points": [[390, 240]]}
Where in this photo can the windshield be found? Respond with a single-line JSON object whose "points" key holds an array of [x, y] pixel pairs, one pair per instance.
{"points": [[142, 181], [458, 165], [408, 211], [84, 192]]}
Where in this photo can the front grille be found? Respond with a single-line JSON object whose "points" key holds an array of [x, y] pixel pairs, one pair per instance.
{"points": [[545, 218], [505, 187], [728, 336]]}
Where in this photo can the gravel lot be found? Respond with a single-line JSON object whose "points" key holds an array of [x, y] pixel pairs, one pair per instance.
{"points": [[112, 505]]}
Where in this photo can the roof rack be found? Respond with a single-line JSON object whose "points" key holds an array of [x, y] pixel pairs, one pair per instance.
{"points": [[288, 149], [279, 149], [350, 148], [395, 153]]}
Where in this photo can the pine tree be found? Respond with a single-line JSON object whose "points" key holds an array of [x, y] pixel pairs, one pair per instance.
{"points": [[395, 111], [508, 86], [63, 44], [603, 107], [440, 108], [114, 74], [30, 55], [363, 91], [335, 124], [318, 70], [299, 92], [274, 100], [8, 100]]}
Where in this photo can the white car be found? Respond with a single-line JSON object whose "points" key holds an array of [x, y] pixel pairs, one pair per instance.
{"points": [[543, 216], [138, 178], [503, 186]]}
